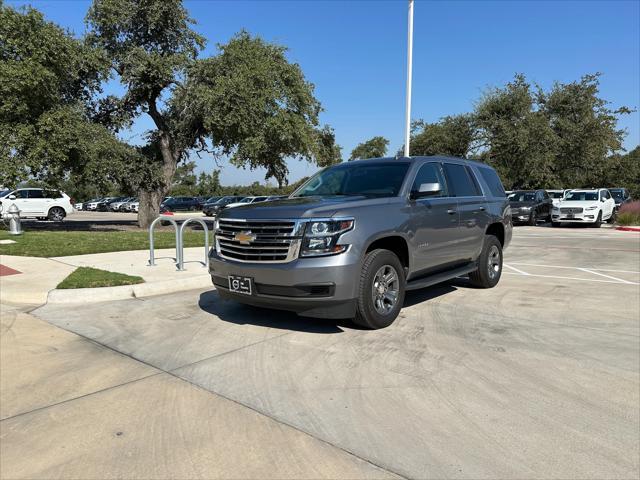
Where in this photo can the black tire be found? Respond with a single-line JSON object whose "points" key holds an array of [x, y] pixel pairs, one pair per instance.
{"points": [[533, 219], [555, 224], [489, 264], [598, 221], [56, 214], [367, 312], [612, 219]]}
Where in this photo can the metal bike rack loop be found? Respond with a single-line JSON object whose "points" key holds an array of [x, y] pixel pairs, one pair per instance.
{"points": [[152, 257], [206, 241]]}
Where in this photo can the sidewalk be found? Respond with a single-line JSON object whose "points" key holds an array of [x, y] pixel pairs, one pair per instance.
{"points": [[38, 277]]}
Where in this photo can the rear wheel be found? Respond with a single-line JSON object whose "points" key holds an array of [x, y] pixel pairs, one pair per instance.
{"points": [[489, 264], [381, 290], [56, 214]]}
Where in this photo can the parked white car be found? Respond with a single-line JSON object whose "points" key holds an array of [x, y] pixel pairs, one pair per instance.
{"points": [[38, 203], [92, 205], [246, 201], [557, 195], [585, 206]]}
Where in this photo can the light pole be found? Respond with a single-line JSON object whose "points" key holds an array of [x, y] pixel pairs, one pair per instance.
{"points": [[407, 118]]}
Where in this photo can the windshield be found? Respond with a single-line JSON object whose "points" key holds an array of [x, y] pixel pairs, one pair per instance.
{"points": [[581, 196], [246, 200], [556, 194], [617, 194], [522, 197], [4, 193], [369, 180]]}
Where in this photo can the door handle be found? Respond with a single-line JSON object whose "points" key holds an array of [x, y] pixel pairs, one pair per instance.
{"points": [[482, 209], [451, 211]]}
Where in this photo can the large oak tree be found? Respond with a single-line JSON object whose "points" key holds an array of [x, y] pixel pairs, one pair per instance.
{"points": [[248, 103]]}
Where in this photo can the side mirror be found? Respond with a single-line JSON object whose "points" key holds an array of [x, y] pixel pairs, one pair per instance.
{"points": [[12, 197], [426, 190]]}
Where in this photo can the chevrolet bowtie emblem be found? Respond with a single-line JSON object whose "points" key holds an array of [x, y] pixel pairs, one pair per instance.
{"points": [[244, 237]]}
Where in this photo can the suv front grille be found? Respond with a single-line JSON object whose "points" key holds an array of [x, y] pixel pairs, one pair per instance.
{"points": [[265, 241], [571, 210]]}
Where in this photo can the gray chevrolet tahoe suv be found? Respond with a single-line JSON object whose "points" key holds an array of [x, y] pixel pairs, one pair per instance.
{"points": [[351, 240]]}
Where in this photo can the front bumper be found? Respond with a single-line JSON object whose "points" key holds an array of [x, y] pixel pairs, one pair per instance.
{"points": [[323, 287], [585, 217]]}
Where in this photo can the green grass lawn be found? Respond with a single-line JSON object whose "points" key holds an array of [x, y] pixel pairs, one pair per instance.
{"points": [[62, 243], [86, 277]]}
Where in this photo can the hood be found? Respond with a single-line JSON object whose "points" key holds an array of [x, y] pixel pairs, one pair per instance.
{"points": [[300, 207], [579, 204], [521, 204]]}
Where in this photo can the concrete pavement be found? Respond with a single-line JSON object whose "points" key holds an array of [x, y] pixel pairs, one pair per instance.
{"points": [[37, 278], [74, 409]]}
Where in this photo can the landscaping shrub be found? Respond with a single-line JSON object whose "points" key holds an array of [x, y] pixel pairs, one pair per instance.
{"points": [[629, 214]]}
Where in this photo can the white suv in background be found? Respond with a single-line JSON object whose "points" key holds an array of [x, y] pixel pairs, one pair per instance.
{"points": [[38, 203], [584, 206]]}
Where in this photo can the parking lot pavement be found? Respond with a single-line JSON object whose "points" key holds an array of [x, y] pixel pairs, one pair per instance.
{"points": [[536, 378]]}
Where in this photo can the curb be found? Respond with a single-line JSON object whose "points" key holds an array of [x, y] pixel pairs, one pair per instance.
{"points": [[124, 292], [628, 229]]}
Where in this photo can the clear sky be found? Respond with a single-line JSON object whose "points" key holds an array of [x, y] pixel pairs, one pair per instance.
{"points": [[354, 52]]}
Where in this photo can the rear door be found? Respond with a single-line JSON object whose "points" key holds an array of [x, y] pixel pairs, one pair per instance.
{"points": [[434, 222], [472, 210]]}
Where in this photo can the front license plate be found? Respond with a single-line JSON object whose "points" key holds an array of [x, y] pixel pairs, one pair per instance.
{"points": [[240, 284], [570, 215]]}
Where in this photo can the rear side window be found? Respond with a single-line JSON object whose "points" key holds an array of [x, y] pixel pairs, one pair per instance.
{"points": [[430, 173], [460, 182], [493, 182], [52, 194], [36, 194]]}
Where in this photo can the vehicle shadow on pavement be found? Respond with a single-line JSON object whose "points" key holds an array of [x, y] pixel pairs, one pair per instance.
{"points": [[234, 312], [413, 297]]}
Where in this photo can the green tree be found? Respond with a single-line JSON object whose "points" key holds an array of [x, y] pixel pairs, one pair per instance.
{"points": [[373, 148], [624, 171], [515, 136], [48, 80], [585, 129], [209, 184], [452, 135], [248, 102]]}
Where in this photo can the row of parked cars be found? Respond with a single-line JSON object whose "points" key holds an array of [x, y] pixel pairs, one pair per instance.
{"points": [[589, 206], [209, 206]]}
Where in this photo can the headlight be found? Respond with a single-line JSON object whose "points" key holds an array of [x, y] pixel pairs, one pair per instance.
{"points": [[593, 207], [321, 237], [556, 209]]}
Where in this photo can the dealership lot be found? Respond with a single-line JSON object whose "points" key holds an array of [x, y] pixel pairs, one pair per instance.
{"points": [[536, 378]]}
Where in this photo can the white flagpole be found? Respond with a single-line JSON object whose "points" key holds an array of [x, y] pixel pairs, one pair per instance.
{"points": [[407, 119]]}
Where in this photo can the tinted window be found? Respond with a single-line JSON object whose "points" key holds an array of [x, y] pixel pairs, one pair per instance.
{"points": [[36, 194], [522, 197], [459, 181], [20, 193], [493, 181], [52, 194], [430, 173]]}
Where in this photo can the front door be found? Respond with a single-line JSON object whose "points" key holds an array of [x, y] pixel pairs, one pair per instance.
{"points": [[434, 222]]}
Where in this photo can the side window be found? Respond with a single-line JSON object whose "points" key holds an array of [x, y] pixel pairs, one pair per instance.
{"points": [[52, 194], [430, 173], [460, 181], [493, 181], [21, 193], [36, 194]]}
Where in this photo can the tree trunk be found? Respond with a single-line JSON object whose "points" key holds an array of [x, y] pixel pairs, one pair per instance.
{"points": [[149, 208], [150, 200]]}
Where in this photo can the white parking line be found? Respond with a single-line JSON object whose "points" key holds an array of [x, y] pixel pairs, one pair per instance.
{"points": [[515, 269], [569, 278], [559, 266], [593, 271], [607, 276]]}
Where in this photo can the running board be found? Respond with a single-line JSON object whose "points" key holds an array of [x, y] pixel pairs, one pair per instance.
{"points": [[440, 277]]}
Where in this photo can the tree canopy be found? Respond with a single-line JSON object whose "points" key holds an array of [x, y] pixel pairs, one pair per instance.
{"points": [[373, 148]]}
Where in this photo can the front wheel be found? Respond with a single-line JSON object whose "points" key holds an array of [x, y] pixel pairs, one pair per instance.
{"points": [[612, 219], [533, 219], [598, 221], [57, 214], [381, 289], [489, 264]]}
